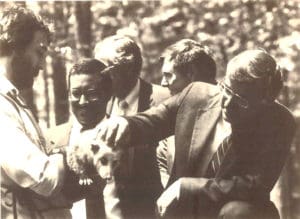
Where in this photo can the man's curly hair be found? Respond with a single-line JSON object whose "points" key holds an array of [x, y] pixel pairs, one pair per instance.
{"points": [[17, 27]]}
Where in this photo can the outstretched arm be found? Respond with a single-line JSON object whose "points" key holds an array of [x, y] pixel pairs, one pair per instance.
{"points": [[147, 127]]}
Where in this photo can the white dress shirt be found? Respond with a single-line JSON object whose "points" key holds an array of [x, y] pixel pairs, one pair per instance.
{"points": [[115, 106], [222, 130]]}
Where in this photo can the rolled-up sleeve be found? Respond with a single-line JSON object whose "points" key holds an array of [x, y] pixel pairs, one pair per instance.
{"points": [[22, 161]]}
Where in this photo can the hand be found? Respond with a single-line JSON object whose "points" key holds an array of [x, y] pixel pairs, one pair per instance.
{"points": [[85, 181], [114, 131], [168, 197]]}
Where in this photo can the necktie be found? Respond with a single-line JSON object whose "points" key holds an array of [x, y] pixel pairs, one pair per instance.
{"points": [[123, 104], [219, 155]]}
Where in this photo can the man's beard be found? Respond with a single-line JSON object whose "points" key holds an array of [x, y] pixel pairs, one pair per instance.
{"points": [[23, 72]]}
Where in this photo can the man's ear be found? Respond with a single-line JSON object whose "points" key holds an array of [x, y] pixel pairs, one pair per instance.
{"points": [[192, 73], [95, 148], [191, 76]]}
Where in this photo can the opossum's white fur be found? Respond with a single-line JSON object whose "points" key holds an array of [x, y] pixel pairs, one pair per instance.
{"points": [[80, 159], [88, 158], [106, 160]]}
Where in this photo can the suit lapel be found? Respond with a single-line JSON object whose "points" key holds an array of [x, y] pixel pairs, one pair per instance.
{"points": [[109, 106], [143, 104], [206, 120], [144, 96]]}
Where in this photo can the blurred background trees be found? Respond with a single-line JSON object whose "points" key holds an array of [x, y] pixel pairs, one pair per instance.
{"points": [[226, 26]]}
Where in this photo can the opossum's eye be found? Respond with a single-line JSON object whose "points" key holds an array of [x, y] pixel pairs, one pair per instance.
{"points": [[95, 148], [104, 161]]}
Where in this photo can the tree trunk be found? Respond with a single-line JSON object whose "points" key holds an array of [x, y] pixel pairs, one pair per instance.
{"points": [[83, 28], [59, 70]]}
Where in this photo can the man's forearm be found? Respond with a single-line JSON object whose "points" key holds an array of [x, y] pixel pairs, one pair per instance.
{"points": [[223, 190], [152, 125]]}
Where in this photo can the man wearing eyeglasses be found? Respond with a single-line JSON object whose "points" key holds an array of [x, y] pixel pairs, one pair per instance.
{"points": [[231, 142], [89, 91]]}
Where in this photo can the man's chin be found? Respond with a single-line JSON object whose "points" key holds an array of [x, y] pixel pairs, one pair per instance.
{"points": [[86, 123], [23, 86], [87, 120]]}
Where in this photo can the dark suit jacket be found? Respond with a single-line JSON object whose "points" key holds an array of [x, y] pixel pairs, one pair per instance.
{"points": [[247, 173], [143, 187]]}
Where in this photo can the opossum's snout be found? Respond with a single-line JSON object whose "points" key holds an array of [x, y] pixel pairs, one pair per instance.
{"points": [[106, 173], [106, 160]]}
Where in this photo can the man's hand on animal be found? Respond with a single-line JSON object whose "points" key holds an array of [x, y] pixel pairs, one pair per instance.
{"points": [[106, 160], [114, 132], [89, 158]]}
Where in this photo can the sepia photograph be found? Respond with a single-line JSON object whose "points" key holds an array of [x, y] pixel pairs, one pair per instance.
{"points": [[155, 109]]}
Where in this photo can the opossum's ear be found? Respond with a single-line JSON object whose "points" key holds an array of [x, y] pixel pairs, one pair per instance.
{"points": [[95, 148]]}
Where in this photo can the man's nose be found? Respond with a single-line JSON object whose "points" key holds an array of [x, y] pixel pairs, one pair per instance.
{"points": [[164, 82], [83, 100], [226, 101]]}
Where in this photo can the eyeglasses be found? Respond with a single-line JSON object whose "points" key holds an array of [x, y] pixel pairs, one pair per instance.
{"points": [[91, 95], [228, 92]]}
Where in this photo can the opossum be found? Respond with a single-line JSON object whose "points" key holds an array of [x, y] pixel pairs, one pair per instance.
{"points": [[87, 159], [106, 160]]}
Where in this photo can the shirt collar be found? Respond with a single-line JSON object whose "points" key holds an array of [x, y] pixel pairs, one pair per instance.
{"points": [[76, 125], [133, 94]]}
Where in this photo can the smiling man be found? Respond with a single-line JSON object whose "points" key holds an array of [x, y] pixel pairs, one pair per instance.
{"points": [[89, 91], [231, 142]]}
